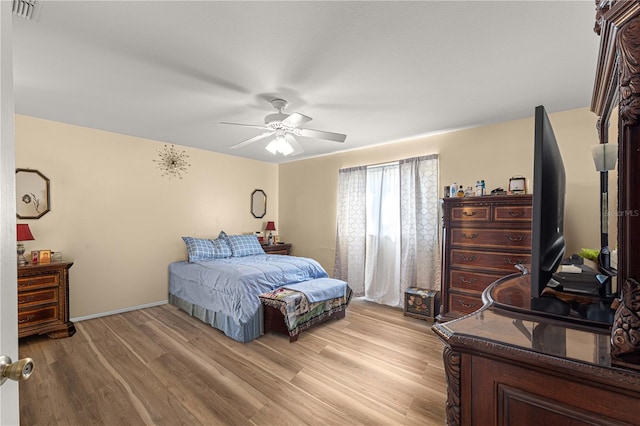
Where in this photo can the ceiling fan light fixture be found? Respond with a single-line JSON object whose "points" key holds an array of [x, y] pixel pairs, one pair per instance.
{"points": [[279, 145]]}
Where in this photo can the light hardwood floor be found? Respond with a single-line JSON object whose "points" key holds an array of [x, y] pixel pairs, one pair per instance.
{"points": [[158, 366]]}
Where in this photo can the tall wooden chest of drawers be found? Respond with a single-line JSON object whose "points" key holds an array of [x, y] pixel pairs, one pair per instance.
{"points": [[43, 300], [484, 238]]}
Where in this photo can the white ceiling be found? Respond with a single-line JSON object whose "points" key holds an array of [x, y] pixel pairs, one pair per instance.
{"points": [[376, 71]]}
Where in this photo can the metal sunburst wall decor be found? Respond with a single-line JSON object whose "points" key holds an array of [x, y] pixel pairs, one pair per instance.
{"points": [[171, 162]]}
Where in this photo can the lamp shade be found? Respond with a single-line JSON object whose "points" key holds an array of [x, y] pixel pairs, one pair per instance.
{"points": [[271, 226], [23, 233], [605, 156]]}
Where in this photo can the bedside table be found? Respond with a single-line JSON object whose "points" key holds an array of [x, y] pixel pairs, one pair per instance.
{"points": [[43, 300], [284, 248]]}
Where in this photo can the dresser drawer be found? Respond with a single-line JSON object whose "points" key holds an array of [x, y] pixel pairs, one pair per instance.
{"points": [[29, 317], [470, 214], [464, 304], [38, 281], [512, 213], [489, 260], [491, 238], [474, 281], [38, 297]]}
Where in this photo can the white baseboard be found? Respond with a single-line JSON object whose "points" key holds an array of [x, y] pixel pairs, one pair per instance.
{"points": [[119, 311]]}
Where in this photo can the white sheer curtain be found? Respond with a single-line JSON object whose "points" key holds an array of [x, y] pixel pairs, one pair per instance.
{"points": [[387, 233], [382, 259]]}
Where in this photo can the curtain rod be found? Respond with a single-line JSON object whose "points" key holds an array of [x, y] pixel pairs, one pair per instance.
{"points": [[386, 163]]}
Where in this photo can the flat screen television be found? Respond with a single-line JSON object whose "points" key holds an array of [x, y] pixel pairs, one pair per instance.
{"points": [[547, 240]]}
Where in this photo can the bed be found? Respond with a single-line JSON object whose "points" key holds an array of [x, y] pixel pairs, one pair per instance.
{"points": [[223, 290]]}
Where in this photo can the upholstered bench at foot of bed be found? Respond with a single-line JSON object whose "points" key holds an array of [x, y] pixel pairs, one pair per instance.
{"points": [[289, 312]]}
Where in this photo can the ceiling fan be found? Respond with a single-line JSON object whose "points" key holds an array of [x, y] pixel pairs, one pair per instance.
{"points": [[285, 127]]}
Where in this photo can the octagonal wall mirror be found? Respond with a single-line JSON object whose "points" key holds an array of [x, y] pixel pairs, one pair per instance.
{"points": [[32, 194], [258, 203]]}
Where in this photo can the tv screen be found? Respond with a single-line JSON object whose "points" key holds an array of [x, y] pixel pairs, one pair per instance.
{"points": [[547, 240]]}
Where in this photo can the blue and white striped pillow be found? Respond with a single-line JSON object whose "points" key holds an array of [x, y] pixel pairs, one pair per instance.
{"points": [[244, 245]]}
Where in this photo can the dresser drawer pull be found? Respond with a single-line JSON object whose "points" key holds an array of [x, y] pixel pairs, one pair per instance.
{"points": [[468, 280], [517, 238], [468, 258], [473, 213], [26, 299], [515, 214], [26, 319], [467, 305], [470, 237], [25, 283], [511, 262]]}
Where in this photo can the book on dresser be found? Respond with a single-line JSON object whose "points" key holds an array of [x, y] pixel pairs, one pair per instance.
{"points": [[484, 238]]}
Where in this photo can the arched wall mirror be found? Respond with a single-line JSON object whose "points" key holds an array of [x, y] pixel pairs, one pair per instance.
{"points": [[32, 194], [258, 203]]}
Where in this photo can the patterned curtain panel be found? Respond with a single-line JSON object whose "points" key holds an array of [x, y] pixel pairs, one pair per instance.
{"points": [[420, 252], [366, 256], [351, 229]]}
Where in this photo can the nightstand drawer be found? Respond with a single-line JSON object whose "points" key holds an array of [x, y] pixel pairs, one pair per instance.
{"points": [[35, 316], [278, 248], [40, 297], [38, 281]]}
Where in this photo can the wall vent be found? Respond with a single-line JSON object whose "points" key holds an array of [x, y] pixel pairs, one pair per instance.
{"points": [[27, 9]]}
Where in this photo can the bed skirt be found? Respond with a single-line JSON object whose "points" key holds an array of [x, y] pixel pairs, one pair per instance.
{"points": [[246, 332]]}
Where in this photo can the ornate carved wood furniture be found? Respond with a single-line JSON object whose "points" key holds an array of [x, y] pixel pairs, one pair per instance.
{"points": [[618, 78], [277, 248], [43, 300], [484, 237], [508, 365]]}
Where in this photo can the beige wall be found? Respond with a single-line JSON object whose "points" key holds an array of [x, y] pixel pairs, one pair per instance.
{"points": [[120, 222], [493, 153]]}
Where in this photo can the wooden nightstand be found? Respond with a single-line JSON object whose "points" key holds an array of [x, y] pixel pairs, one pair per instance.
{"points": [[277, 248], [43, 300]]}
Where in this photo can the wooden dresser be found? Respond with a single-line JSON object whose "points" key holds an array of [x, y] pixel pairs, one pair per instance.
{"points": [[483, 239], [43, 300], [277, 248], [507, 365]]}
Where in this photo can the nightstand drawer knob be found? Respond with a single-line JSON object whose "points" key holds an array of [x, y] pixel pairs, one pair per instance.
{"points": [[19, 370]]}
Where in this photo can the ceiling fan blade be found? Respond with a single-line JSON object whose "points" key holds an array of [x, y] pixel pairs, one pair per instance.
{"points": [[297, 148], [252, 140], [255, 126], [335, 137], [296, 119]]}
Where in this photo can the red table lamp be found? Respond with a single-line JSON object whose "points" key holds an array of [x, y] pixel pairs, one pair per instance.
{"points": [[271, 226], [23, 233]]}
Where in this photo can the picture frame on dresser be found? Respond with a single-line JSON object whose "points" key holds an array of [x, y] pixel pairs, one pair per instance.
{"points": [[44, 256]]}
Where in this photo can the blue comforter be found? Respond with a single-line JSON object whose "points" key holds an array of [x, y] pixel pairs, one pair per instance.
{"points": [[232, 285]]}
